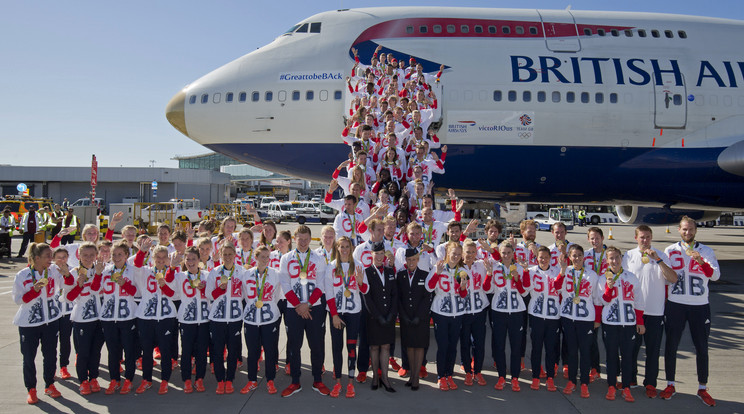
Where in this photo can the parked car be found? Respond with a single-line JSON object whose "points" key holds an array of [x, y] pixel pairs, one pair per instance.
{"points": [[314, 212], [84, 202], [280, 210]]}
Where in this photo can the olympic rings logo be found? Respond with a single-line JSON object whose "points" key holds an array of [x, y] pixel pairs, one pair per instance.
{"points": [[525, 135]]}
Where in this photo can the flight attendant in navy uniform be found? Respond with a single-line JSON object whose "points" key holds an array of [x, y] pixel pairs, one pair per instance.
{"points": [[414, 307], [381, 297], [34, 290], [696, 265]]}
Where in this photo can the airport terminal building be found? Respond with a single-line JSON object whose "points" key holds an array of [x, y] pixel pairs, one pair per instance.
{"points": [[118, 184]]}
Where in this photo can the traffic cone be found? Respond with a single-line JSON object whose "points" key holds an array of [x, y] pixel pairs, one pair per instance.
{"points": [[610, 236], [667, 230]]}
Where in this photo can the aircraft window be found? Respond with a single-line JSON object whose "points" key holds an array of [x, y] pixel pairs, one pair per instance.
{"points": [[601, 32], [302, 29], [588, 31], [655, 33], [526, 96], [409, 29], [668, 34], [682, 34], [505, 29], [628, 33], [613, 98], [556, 96], [519, 30], [337, 95], [615, 33], [295, 95], [478, 29], [192, 99], [309, 95], [242, 96], [497, 96], [323, 95], [269, 96], [423, 29], [541, 96], [727, 101], [291, 30], [229, 97], [599, 97], [533, 30], [713, 100], [677, 98], [437, 28], [464, 28], [492, 29], [205, 98], [216, 97], [282, 96], [450, 28], [512, 96], [315, 27], [255, 96], [641, 33], [570, 97], [584, 97]]}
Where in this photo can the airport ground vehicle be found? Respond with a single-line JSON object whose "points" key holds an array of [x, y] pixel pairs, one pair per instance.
{"points": [[555, 215], [281, 210], [314, 212], [19, 205], [149, 215], [84, 202]]}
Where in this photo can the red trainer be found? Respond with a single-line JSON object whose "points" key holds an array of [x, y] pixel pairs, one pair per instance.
{"points": [[163, 388], [336, 391], [350, 392], [550, 384], [515, 384], [32, 398], [229, 387], [584, 391], [270, 388], [611, 393], [651, 391], [250, 386], [52, 391], [85, 388], [144, 386], [113, 387], [394, 364], [667, 393], [569, 389], [535, 384], [156, 353], [361, 377], [187, 387], [64, 373], [593, 375], [627, 395], [543, 374], [291, 390], [423, 373], [468, 379], [480, 379], [706, 398], [500, 384], [94, 386], [443, 386], [451, 383], [200, 385], [220, 388], [286, 370], [126, 388], [403, 373], [321, 388], [565, 371]]}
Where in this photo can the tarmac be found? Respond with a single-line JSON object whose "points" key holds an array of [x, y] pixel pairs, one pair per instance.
{"points": [[726, 362]]}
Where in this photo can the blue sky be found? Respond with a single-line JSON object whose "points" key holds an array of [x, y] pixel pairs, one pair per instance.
{"points": [[93, 77]]}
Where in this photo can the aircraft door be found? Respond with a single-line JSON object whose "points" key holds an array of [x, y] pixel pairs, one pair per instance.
{"points": [[559, 29], [670, 102]]}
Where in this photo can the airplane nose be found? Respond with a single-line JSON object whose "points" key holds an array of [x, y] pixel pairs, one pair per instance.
{"points": [[174, 112]]}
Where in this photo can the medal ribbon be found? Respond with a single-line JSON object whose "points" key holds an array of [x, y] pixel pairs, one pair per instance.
{"points": [[196, 279], [597, 265], [303, 266], [45, 275], [428, 233], [263, 283], [250, 257], [229, 277], [577, 285]]}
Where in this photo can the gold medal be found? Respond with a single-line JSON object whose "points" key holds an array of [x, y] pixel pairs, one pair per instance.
{"points": [[576, 300], [609, 275], [347, 293], [303, 275], [195, 283], [159, 275], [559, 244], [463, 275], [224, 279], [43, 281], [259, 304], [115, 276], [689, 251], [645, 259], [201, 266], [246, 266]]}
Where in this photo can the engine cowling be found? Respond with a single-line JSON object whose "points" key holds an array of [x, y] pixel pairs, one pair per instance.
{"points": [[661, 216]]}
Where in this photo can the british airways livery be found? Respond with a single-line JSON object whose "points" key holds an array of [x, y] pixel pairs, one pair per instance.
{"points": [[642, 110]]}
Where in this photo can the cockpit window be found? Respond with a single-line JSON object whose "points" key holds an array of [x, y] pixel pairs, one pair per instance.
{"points": [[303, 28], [314, 27], [291, 30]]}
